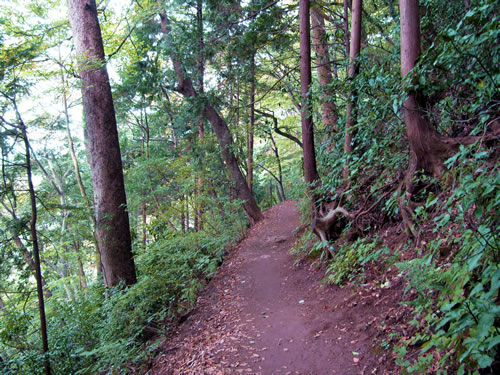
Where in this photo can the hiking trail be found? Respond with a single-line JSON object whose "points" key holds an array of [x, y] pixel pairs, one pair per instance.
{"points": [[262, 314]]}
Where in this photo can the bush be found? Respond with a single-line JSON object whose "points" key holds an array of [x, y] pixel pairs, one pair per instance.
{"points": [[101, 335]]}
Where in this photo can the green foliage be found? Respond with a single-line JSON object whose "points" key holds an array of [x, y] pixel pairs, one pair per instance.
{"points": [[462, 62], [458, 74], [458, 299], [170, 274], [172, 174], [91, 334], [305, 246], [350, 259]]}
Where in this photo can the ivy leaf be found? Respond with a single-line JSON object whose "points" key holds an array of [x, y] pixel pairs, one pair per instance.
{"points": [[395, 106], [484, 360], [477, 288], [474, 261], [485, 322], [494, 341]]}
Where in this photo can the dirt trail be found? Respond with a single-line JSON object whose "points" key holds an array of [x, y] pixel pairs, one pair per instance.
{"points": [[262, 314]]}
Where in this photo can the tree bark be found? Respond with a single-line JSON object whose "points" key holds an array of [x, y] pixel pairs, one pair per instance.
{"points": [[279, 178], [280, 171], [36, 253], [185, 87], [427, 149], [325, 76], [347, 36], [146, 136], [201, 131], [113, 229], [251, 124], [277, 130], [201, 59], [226, 143], [310, 171], [357, 7]]}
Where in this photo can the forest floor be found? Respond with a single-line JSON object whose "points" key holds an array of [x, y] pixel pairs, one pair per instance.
{"points": [[265, 313]]}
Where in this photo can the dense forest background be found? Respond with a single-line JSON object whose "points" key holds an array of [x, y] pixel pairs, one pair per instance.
{"points": [[215, 119]]}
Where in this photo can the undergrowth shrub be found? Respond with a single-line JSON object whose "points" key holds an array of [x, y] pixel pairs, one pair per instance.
{"points": [[171, 272], [350, 259], [456, 280], [107, 331], [456, 275], [457, 297]]}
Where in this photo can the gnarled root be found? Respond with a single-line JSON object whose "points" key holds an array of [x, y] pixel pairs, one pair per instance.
{"points": [[330, 226]]}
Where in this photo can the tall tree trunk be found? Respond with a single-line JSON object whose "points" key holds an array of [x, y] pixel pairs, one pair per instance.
{"points": [[78, 175], [201, 131], [185, 87], [36, 253], [357, 10], [347, 36], [183, 215], [201, 59], [113, 229], [325, 76], [144, 204], [251, 124], [310, 171], [427, 149]]}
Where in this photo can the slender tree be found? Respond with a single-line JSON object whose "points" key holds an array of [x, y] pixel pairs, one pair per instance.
{"points": [[251, 124], [355, 47], [347, 35], [28, 258], [200, 67], [310, 171], [76, 166], [36, 250], [427, 148], [186, 88], [113, 230], [325, 76], [279, 179]]}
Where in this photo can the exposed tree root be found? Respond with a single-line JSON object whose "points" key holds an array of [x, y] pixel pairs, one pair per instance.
{"points": [[330, 225]]}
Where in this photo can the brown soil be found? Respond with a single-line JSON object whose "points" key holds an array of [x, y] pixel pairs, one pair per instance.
{"points": [[263, 314]]}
